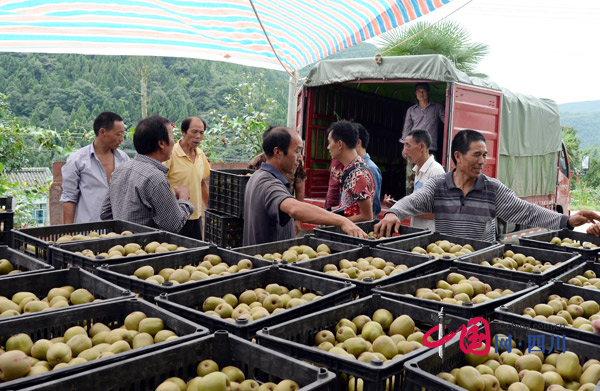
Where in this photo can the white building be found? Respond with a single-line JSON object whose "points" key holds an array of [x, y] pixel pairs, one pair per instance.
{"points": [[27, 177]]}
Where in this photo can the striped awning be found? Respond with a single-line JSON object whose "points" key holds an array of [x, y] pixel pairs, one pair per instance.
{"points": [[301, 32]]}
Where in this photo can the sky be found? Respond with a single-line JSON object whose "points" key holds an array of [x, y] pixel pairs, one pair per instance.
{"points": [[545, 48]]}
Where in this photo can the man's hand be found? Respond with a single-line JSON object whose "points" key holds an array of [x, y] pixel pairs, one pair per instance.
{"points": [[596, 326], [353, 230], [388, 202], [594, 230], [583, 217], [387, 226], [182, 192], [297, 226]]}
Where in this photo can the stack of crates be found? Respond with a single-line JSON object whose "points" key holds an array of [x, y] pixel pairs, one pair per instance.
{"points": [[7, 216], [224, 218]]}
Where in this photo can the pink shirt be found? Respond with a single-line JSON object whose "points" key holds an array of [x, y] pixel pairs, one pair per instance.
{"points": [[335, 176]]}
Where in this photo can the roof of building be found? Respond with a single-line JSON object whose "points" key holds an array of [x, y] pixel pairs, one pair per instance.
{"points": [[30, 176]]}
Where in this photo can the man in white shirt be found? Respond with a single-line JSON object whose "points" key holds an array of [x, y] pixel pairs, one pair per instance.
{"points": [[416, 151], [86, 175]]}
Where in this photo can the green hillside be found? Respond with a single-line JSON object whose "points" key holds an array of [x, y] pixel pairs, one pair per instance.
{"points": [[66, 91], [580, 107], [69, 90], [587, 125]]}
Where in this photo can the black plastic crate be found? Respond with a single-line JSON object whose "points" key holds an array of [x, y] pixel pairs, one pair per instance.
{"points": [[227, 189], [418, 266], [421, 371], [472, 262], [147, 371], [53, 324], [296, 337], [423, 240], [7, 203], [121, 274], [185, 302], [542, 240], [26, 264], [36, 241], [223, 230], [41, 283], [6, 220], [399, 290], [579, 270], [63, 255], [511, 311], [282, 245], [336, 234]]}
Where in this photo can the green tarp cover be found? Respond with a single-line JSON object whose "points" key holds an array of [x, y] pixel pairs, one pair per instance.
{"points": [[529, 175], [530, 134], [428, 67]]}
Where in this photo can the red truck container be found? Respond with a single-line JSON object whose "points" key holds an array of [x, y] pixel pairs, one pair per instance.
{"points": [[525, 149]]}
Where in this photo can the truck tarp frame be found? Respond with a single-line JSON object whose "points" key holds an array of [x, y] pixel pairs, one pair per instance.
{"points": [[530, 135]]}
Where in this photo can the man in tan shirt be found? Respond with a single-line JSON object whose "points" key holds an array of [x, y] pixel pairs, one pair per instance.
{"points": [[188, 166]]}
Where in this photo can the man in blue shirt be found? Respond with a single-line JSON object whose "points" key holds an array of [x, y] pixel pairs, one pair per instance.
{"points": [[361, 149]]}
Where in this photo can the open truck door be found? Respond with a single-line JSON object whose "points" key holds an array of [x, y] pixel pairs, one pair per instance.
{"points": [[563, 181], [314, 133], [477, 108]]}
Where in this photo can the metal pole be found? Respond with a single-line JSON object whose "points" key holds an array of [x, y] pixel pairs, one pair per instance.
{"points": [[292, 92]]}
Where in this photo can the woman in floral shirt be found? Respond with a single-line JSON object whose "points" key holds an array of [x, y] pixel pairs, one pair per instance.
{"points": [[357, 185]]}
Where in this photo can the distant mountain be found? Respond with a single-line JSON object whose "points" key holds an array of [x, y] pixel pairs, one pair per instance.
{"points": [[580, 107], [587, 125], [585, 117], [363, 49]]}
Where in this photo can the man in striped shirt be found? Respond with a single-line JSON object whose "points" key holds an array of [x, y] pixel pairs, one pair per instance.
{"points": [[465, 202], [139, 189]]}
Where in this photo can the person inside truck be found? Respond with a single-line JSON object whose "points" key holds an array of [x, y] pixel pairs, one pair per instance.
{"points": [[357, 184], [465, 202], [269, 208], [361, 149], [424, 115], [416, 151]]}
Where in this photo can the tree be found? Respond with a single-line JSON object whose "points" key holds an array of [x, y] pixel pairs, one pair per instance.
{"points": [[12, 139], [57, 118], [447, 38], [252, 104], [176, 88], [20, 143]]}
